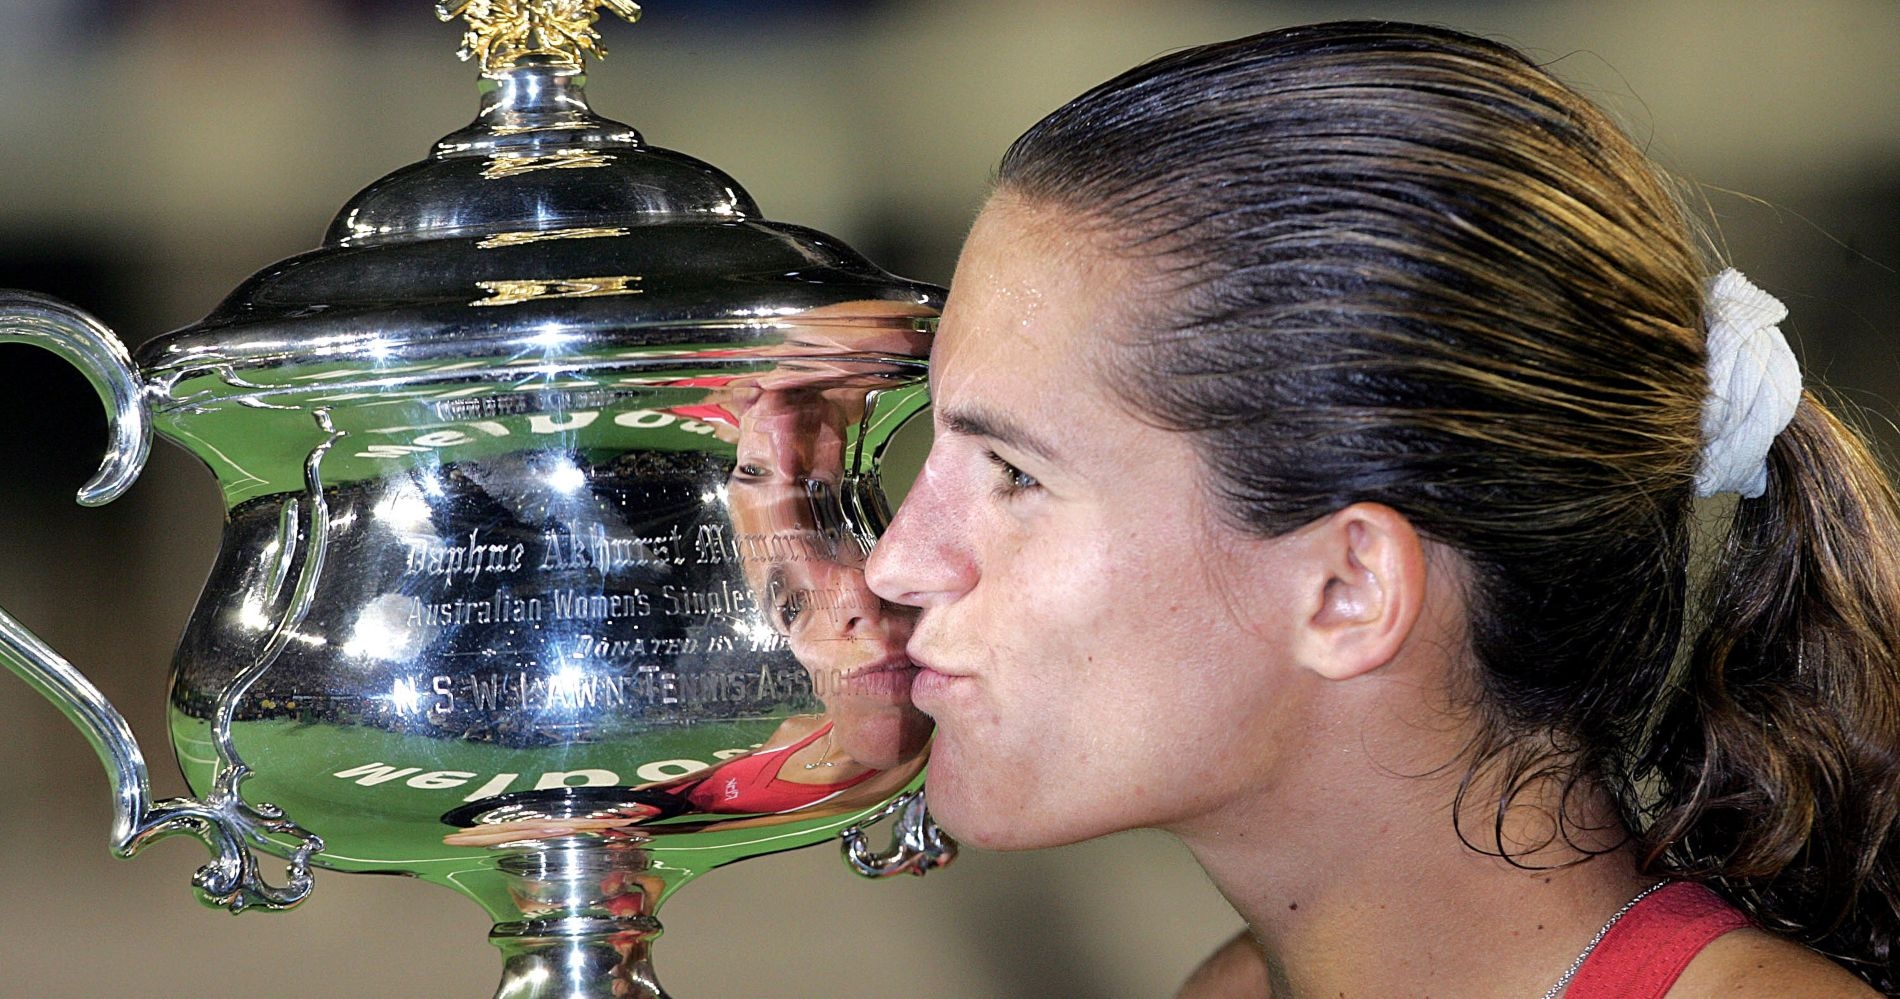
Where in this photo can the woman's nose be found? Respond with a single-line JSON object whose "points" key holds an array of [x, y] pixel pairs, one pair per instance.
{"points": [[870, 617], [923, 558]]}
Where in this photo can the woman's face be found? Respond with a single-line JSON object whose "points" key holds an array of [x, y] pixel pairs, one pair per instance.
{"points": [[812, 584], [1084, 653]]}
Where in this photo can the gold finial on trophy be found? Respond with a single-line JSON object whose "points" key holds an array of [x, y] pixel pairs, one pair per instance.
{"points": [[503, 32]]}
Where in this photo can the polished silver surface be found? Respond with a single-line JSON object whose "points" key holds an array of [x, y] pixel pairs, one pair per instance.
{"points": [[549, 479], [917, 845]]}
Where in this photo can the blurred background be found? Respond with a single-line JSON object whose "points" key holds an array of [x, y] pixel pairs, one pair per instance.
{"points": [[154, 154]]}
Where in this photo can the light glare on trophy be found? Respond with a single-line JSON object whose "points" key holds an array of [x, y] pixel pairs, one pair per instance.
{"points": [[549, 479]]}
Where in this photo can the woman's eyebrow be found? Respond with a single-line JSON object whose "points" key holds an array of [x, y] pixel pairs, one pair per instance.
{"points": [[977, 421]]}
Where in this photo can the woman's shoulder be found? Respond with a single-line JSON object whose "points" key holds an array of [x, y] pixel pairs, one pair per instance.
{"points": [[1750, 963], [794, 729]]}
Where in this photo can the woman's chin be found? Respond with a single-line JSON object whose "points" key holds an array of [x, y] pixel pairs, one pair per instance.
{"points": [[883, 739], [985, 827]]}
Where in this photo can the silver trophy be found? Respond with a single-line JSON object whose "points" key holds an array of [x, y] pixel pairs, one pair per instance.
{"points": [[549, 479]]}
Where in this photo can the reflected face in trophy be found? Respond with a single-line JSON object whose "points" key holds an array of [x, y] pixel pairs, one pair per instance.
{"points": [[1085, 644], [810, 582]]}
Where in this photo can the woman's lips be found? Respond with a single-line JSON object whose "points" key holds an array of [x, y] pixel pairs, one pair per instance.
{"points": [[931, 684]]}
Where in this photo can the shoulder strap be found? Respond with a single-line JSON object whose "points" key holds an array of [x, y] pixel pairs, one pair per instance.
{"points": [[1644, 953]]}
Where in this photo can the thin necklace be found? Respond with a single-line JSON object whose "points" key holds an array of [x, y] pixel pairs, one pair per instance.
{"points": [[1564, 982], [824, 757]]}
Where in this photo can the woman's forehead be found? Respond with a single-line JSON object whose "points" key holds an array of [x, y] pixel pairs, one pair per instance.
{"points": [[1028, 351], [1035, 283]]}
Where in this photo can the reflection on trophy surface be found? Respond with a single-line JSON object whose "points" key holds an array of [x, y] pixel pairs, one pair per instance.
{"points": [[549, 480], [804, 578]]}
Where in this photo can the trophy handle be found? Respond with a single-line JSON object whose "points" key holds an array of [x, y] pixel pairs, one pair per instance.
{"points": [[917, 845], [84, 343], [223, 821]]}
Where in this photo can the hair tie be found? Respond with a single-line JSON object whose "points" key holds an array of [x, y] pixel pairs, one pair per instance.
{"points": [[1754, 386]]}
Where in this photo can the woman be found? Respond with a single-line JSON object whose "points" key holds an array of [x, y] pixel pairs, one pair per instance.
{"points": [[1322, 424]]}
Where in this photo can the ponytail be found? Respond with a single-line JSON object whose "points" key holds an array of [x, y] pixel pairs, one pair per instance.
{"points": [[1780, 761]]}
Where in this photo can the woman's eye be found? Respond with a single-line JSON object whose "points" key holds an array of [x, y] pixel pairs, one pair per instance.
{"points": [[791, 608], [786, 602], [1014, 480], [753, 471]]}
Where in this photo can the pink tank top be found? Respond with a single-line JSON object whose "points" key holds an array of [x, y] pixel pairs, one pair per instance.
{"points": [[1644, 953]]}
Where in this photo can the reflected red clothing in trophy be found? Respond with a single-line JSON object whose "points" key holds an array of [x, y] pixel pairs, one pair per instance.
{"points": [[707, 412], [751, 784]]}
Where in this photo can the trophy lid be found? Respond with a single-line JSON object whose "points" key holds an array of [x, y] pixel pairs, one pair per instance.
{"points": [[541, 221]]}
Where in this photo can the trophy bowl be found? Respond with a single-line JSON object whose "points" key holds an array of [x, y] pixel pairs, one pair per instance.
{"points": [[548, 481]]}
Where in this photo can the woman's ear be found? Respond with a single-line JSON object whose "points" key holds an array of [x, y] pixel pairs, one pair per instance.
{"points": [[1364, 590]]}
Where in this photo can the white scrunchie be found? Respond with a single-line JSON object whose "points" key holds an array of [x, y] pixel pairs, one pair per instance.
{"points": [[1754, 386]]}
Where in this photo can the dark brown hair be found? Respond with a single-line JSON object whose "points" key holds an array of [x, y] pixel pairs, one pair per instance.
{"points": [[1405, 265]]}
